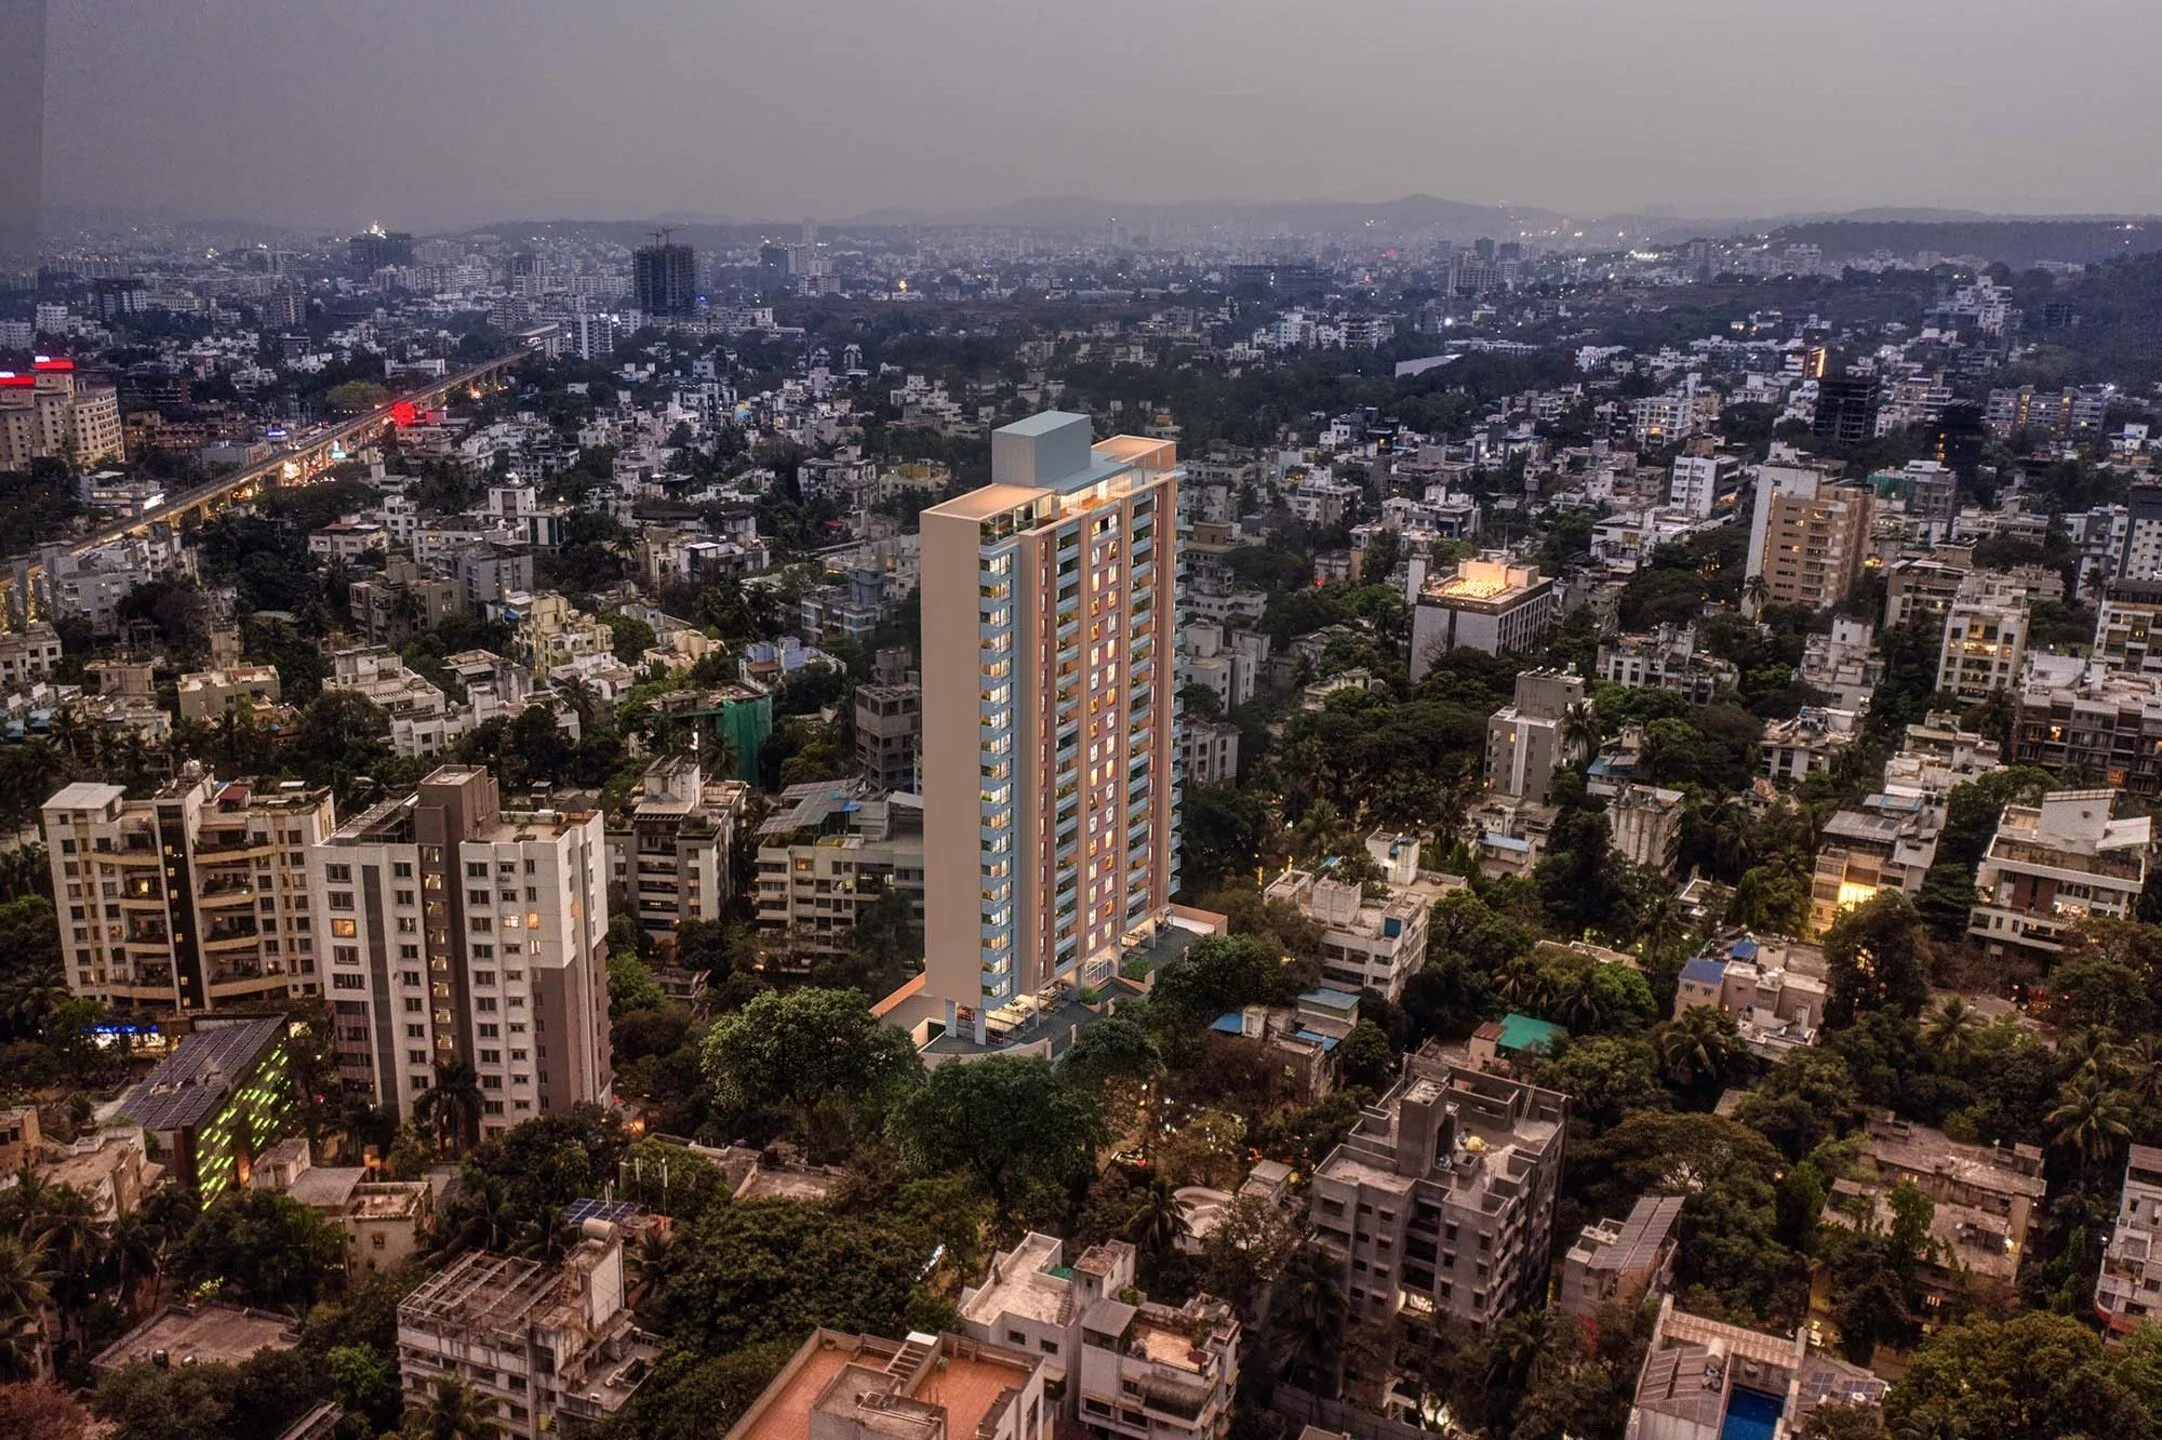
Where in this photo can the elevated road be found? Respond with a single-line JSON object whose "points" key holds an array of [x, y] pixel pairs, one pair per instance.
{"points": [[307, 456]]}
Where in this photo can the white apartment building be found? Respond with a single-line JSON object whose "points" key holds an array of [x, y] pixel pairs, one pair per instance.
{"points": [[1697, 484], [459, 931], [28, 655], [1212, 752], [1985, 637], [194, 900], [2128, 1293], [826, 854], [1645, 825], [2053, 864], [1158, 1372]]}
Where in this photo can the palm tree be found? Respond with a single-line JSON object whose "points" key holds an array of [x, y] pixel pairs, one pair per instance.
{"points": [[2091, 1118], [451, 1412], [1316, 1310], [1698, 1047], [1580, 729], [1951, 1032], [2091, 1051], [452, 1104], [1756, 590], [23, 1296], [64, 1228], [1159, 1223], [2142, 1062]]}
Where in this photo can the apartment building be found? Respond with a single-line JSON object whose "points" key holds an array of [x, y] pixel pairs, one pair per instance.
{"points": [[2128, 629], [672, 851], [28, 655], [1365, 943], [1158, 1372], [1050, 743], [828, 851], [1887, 844], [422, 720], [1441, 1201], [195, 899], [1212, 752], [463, 932], [889, 734], [1923, 587], [1122, 1366], [1530, 739], [2128, 1292], [1985, 637], [1985, 1199], [2088, 724], [1490, 604], [50, 414], [1844, 664], [2051, 865], [211, 696], [1644, 824], [1808, 534], [1228, 666], [1808, 741], [926, 1387], [1621, 1261], [544, 1347], [1698, 484], [1666, 659]]}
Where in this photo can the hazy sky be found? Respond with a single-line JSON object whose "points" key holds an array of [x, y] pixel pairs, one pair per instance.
{"points": [[431, 113]]}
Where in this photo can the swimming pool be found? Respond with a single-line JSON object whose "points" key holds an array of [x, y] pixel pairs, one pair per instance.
{"points": [[1752, 1415]]}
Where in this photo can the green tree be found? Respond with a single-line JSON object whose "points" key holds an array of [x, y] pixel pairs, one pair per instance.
{"points": [[257, 1248], [1877, 959], [807, 1053], [1008, 1120], [2091, 1119], [23, 1295], [2034, 1377], [631, 987], [452, 1104], [1364, 1057]]}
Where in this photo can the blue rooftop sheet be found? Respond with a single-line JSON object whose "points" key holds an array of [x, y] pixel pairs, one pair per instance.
{"points": [[1705, 972]]}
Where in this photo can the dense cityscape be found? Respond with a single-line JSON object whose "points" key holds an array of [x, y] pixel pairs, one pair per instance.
{"points": [[1559, 826]]}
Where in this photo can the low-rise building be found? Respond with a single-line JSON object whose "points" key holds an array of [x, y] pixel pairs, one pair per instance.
{"points": [[224, 1096], [1621, 1261], [828, 851], [1778, 1009], [1984, 1197], [213, 695], [1708, 1380], [1843, 664], [926, 1387], [1887, 844], [1441, 1201], [1158, 1372], [384, 1222], [2053, 864], [1536, 734], [1808, 742], [28, 655], [1212, 752], [2128, 1293], [1666, 659], [1365, 943], [889, 734], [185, 1335], [2128, 627], [540, 1344]]}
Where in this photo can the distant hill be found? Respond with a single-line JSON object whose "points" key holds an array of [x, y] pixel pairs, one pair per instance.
{"points": [[1423, 215], [2017, 243]]}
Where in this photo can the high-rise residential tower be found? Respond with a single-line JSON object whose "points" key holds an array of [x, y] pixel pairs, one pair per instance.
{"points": [[1050, 682]]}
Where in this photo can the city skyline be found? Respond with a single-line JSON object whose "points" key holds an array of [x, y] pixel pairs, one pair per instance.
{"points": [[448, 119]]}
